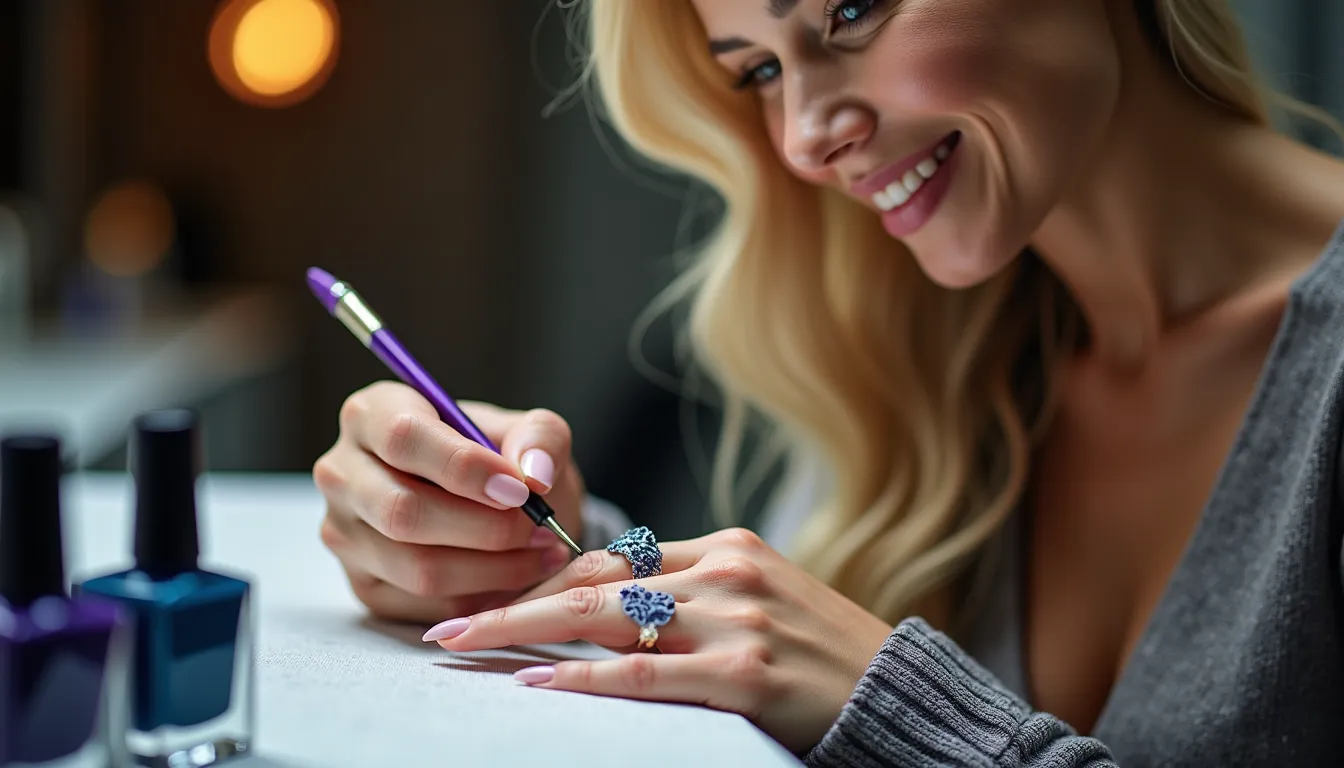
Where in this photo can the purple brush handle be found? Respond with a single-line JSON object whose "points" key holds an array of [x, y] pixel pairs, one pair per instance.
{"points": [[341, 301], [395, 356]]}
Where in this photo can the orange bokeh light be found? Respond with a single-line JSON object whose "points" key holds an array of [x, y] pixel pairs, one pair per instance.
{"points": [[130, 229], [273, 53]]}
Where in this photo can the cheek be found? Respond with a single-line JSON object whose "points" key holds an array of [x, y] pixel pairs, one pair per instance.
{"points": [[933, 61], [946, 60], [1033, 82]]}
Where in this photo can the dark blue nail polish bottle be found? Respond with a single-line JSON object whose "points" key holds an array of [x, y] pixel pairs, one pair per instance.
{"points": [[55, 652], [190, 693]]}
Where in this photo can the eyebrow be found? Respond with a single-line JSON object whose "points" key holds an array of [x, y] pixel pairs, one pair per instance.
{"points": [[717, 47], [777, 8]]}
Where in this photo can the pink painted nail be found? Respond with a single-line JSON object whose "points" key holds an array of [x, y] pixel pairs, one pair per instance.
{"points": [[447, 630], [509, 491], [534, 675], [539, 466]]}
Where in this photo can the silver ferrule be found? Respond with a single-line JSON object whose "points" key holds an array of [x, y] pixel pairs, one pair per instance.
{"points": [[355, 314]]}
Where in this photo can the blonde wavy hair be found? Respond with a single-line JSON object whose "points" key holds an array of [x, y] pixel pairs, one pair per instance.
{"points": [[925, 403]]}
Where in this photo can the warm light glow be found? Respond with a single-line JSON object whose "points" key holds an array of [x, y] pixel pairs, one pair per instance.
{"points": [[130, 229], [281, 44], [273, 52]]}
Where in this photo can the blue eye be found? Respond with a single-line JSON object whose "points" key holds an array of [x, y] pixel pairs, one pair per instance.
{"points": [[850, 12], [842, 15], [760, 74]]}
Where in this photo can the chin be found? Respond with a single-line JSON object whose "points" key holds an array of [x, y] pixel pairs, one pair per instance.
{"points": [[963, 267]]}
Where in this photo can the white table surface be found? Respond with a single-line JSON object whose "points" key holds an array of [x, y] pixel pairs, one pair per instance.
{"points": [[336, 688]]}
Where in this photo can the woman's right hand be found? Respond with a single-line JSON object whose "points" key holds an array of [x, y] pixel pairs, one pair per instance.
{"points": [[425, 521]]}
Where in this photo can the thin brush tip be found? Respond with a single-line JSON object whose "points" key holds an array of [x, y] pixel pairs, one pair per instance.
{"points": [[560, 532]]}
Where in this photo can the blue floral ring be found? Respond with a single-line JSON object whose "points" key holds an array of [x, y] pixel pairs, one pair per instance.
{"points": [[639, 547], [650, 609]]}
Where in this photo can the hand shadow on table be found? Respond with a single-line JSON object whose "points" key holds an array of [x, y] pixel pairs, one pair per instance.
{"points": [[502, 665], [255, 760]]}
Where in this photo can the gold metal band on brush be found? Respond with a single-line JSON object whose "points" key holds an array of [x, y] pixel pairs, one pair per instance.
{"points": [[355, 314]]}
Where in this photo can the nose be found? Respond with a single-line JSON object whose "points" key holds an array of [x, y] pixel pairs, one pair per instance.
{"points": [[821, 126]]}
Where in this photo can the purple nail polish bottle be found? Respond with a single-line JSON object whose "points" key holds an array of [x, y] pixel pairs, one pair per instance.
{"points": [[57, 654]]}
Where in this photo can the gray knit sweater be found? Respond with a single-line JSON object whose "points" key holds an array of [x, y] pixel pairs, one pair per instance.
{"points": [[1242, 662]]}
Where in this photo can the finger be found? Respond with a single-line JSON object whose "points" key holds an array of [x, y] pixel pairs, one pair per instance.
{"points": [[722, 680], [430, 571], [539, 443], [436, 572], [545, 460], [387, 602], [599, 566], [586, 613], [405, 508], [493, 420], [399, 426]]}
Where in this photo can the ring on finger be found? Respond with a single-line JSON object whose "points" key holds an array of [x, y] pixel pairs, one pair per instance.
{"points": [[650, 609], [640, 547]]}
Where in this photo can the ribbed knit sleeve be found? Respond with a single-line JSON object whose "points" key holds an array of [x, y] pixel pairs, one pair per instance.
{"points": [[923, 701]]}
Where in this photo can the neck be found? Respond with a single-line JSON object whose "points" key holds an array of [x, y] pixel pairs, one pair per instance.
{"points": [[1185, 205]]}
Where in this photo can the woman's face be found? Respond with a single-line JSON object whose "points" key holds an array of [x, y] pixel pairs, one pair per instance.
{"points": [[961, 123]]}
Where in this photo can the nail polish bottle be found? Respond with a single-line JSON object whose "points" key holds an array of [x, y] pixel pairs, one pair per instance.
{"points": [[190, 696], [57, 654]]}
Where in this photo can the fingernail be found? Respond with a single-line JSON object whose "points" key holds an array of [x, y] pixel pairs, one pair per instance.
{"points": [[534, 675], [509, 491], [537, 464], [553, 559], [447, 630], [541, 537]]}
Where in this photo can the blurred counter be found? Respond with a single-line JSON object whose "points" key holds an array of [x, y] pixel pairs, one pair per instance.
{"points": [[227, 353]]}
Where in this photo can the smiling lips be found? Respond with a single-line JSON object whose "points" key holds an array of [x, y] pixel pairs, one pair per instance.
{"points": [[909, 191]]}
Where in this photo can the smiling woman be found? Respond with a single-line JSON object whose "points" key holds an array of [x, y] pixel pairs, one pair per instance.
{"points": [[983, 257], [1050, 316]]}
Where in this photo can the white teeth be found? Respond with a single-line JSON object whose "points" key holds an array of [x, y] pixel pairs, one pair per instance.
{"points": [[899, 191], [897, 194]]}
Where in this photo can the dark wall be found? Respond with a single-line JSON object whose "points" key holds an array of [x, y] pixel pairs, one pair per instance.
{"points": [[11, 80], [507, 249], [391, 176]]}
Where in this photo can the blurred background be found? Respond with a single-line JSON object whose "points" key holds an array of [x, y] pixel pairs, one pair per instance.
{"points": [[170, 168]]}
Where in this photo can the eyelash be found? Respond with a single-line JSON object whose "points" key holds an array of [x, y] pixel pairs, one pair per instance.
{"points": [[751, 77], [834, 7]]}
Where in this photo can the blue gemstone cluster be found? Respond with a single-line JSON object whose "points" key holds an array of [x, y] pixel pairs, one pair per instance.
{"points": [[648, 608], [639, 547]]}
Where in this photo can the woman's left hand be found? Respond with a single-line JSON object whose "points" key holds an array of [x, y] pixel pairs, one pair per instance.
{"points": [[752, 633]]}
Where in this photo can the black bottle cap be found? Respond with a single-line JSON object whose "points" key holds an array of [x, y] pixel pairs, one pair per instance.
{"points": [[32, 560], [164, 460]]}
